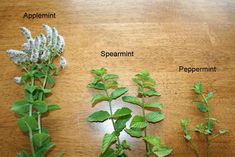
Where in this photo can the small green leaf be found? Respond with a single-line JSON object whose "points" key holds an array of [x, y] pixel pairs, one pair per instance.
{"points": [[184, 122], [198, 88], [162, 151], [134, 132], [29, 88], [138, 122], [99, 86], [125, 145], [53, 107], [151, 93], [26, 121], [23, 154], [209, 96], [50, 80], [132, 100], [122, 112], [110, 76], [154, 105], [20, 106], [98, 116], [107, 141], [109, 153], [111, 84], [47, 146], [98, 98], [120, 123], [99, 72], [202, 108], [118, 92], [154, 117], [154, 140], [40, 138], [40, 106]]}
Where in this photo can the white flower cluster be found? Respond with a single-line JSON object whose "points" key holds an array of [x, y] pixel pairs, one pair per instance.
{"points": [[39, 48]]}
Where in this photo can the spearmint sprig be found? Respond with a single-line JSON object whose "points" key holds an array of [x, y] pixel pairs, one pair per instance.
{"points": [[139, 124], [36, 60], [107, 84], [205, 128]]}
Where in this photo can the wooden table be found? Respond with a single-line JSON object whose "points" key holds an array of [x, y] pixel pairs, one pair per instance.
{"points": [[164, 34]]}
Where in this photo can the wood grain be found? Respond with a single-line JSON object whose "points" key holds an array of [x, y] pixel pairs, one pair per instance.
{"points": [[164, 34]]}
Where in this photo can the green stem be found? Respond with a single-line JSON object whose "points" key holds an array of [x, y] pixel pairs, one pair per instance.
{"points": [[194, 148], [39, 123], [31, 133]]}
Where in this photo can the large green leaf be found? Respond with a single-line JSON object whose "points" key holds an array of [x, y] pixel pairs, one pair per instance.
{"points": [[110, 76], [134, 132], [98, 98], [154, 140], [53, 107], [108, 140], [30, 88], [138, 122], [154, 117], [162, 151], [151, 93], [99, 86], [120, 123], [122, 112], [27, 121], [154, 105], [98, 116], [118, 92], [40, 106], [20, 106], [132, 100], [109, 153], [40, 138], [46, 147]]}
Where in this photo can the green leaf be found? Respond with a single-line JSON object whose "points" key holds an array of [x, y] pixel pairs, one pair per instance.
{"points": [[23, 154], [50, 80], [53, 107], [138, 122], [154, 117], [60, 154], [110, 76], [132, 100], [47, 146], [20, 106], [151, 93], [184, 122], [209, 96], [108, 140], [162, 151], [98, 116], [40, 106], [30, 88], [154, 105], [98, 98], [26, 121], [154, 140], [118, 92], [99, 86], [134, 132], [109, 153], [111, 84], [40, 138], [122, 112], [198, 88], [202, 108], [99, 72], [120, 123]]}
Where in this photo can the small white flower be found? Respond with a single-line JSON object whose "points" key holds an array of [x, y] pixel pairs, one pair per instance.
{"points": [[37, 42], [54, 36], [49, 33], [18, 80], [26, 47], [26, 33], [60, 44], [63, 62], [43, 40], [34, 56], [45, 55], [17, 56]]}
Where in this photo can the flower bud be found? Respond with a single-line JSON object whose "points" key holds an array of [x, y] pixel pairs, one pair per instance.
{"points": [[63, 62]]}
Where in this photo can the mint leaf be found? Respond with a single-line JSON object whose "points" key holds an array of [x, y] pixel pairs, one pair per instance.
{"points": [[154, 105], [134, 132], [110, 76], [122, 112], [40, 106], [154, 140], [20, 106], [98, 98], [202, 108], [138, 122], [99, 116], [27, 121], [132, 100], [162, 151], [40, 138], [154, 117], [107, 141], [118, 92], [151, 93], [198, 88]]}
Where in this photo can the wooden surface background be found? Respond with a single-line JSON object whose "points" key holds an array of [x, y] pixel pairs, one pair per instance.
{"points": [[163, 34]]}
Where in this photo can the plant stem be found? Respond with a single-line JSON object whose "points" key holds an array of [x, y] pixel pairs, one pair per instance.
{"points": [[145, 131], [39, 123], [194, 148], [111, 113]]}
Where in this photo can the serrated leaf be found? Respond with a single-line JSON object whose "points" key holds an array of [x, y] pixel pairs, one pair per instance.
{"points": [[154, 117], [30, 88], [110, 76], [98, 98], [132, 100], [122, 112], [154, 140], [99, 116], [99, 86], [202, 108], [109, 153], [20, 106], [53, 107], [138, 122], [198, 88], [26, 121], [120, 123], [118, 92], [107, 141], [40, 138], [154, 105], [40, 106], [134, 132], [151, 93], [162, 151], [99, 72]]}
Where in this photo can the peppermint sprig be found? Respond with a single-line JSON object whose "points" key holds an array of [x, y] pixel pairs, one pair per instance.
{"points": [[139, 124], [107, 84], [36, 60], [206, 128]]}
